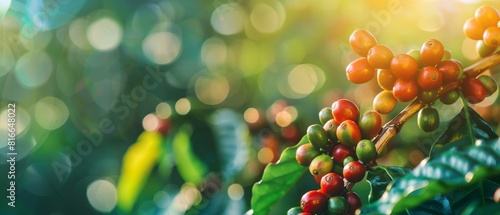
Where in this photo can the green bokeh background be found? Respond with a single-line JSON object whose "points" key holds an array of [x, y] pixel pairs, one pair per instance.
{"points": [[243, 79]]}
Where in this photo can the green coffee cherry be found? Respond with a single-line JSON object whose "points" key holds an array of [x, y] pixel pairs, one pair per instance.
{"points": [[317, 136], [337, 205], [325, 114], [428, 119], [366, 151]]}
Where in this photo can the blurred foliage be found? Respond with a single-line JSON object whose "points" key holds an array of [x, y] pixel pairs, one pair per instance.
{"points": [[89, 77]]}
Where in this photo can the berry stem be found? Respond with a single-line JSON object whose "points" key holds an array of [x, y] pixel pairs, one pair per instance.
{"points": [[393, 127]]}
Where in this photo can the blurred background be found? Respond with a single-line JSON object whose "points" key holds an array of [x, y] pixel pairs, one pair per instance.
{"points": [[175, 107]]}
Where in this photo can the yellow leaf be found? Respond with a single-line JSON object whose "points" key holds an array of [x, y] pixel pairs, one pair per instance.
{"points": [[137, 164]]}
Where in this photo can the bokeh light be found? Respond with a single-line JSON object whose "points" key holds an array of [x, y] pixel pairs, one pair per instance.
{"points": [[265, 155], [183, 106], [228, 19], [301, 81], [251, 115], [51, 113], [212, 90], [104, 34], [162, 47], [78, 32], [214, 52], [150, 122], [34, 68], [235, 192], [163, 110], [267, 19], [187, 197], [101, 194], [432, 21]]}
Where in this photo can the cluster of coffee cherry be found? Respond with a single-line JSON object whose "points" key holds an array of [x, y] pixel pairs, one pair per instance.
{"points": [[337, 153], [483, 27], [418, 74]]}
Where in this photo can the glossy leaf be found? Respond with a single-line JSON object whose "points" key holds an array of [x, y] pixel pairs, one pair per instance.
{"points": [[435, 176], [380, 176], [463, 199], [457, 134], [277, 180]]}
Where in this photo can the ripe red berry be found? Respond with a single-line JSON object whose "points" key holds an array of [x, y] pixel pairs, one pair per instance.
{"points": [[429, 78], [341, 152], [450, 70], [353, 201], [344, 109], [314, 202], [354, 171], [405, 90], [332, 184], [473, 90]]}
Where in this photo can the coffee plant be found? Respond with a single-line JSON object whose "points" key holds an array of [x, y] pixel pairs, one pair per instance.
{"points": [[460, 174]]}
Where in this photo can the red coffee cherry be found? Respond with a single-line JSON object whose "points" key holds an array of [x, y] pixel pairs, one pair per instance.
{"points": [[405, 90], [344, 109], [314, 202], [429, 78], [353, 201], [354, 171], [332, 184], [473, 90], [341, 152]]}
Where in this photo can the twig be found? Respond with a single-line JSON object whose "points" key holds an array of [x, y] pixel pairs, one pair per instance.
{"points": [[393, 127]]}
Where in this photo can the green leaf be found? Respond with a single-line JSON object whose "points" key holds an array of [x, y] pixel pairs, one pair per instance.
{"points": [[380, 176], [457, 132], [190, 167], [435, 176], [463, 199], [277, 179]]}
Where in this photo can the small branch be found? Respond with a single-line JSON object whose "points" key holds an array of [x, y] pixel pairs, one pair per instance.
{"points": [[393, 127]]}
